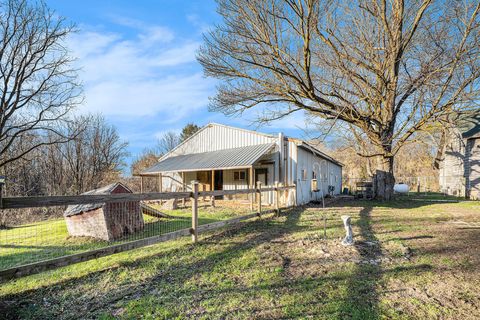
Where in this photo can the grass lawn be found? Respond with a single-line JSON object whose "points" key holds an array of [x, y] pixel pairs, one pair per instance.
{"points": [[411, 260], [49, 239]]}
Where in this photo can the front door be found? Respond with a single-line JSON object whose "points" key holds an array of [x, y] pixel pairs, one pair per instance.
{"points": [[261, 175], [218, 181]]}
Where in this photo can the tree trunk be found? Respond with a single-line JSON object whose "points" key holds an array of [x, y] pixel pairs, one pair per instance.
{"points": [[384, 180]]}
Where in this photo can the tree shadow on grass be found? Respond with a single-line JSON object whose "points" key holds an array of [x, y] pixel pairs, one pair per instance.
{"points": [[361, 299], [179, 271], [29, 251]]}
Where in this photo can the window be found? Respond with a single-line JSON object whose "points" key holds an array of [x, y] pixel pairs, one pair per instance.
{"points": [[239, 175], [304, 174]]}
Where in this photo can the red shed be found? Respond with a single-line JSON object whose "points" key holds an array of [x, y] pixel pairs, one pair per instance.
{"points": [[106, 221]]}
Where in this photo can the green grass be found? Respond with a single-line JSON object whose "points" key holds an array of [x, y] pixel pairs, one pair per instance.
{"points": [[409, 262], [431, 196], [44, 240]]}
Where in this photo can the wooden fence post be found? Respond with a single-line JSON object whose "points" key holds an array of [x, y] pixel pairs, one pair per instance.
{"points": [[204, 188], [195, 211], [212, 201], [251, 196], [277, 198], [259, 187]]}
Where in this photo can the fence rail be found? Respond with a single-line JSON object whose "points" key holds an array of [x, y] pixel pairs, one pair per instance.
{"points": [[52, 201], [170, 227]]}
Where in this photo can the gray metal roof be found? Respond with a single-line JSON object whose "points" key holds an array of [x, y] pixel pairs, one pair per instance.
{"points": [[222, 159], [80, 208], [320, 153]]}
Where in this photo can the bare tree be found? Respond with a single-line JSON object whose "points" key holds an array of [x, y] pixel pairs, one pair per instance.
{"points": [[95, 157], [167, 142], [388, 68], [38, 86]]}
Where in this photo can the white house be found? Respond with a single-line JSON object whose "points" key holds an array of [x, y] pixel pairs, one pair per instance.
{"points": [[221, 157]]}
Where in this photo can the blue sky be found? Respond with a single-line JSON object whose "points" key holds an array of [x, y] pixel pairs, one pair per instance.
{"points": [[138, 66]]}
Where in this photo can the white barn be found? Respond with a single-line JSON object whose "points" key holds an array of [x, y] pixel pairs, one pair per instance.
{"points": [[221, 157]]}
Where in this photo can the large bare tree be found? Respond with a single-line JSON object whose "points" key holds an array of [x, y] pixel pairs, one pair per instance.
{"points": [[38, 85], [389, 68]]}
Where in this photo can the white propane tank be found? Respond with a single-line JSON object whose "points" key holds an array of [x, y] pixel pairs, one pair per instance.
{"points": [[400, 188]]}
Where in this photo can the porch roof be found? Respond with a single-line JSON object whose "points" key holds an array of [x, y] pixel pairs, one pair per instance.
{"points": [[235, 158]]}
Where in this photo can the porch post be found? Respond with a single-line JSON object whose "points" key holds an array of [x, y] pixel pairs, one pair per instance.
{"points": [[160, 185], [160, 182], [183, 188], [251, 187], [212, 199]]}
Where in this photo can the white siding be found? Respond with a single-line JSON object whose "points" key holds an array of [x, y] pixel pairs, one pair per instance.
{"points": [[452, 169], [293, 160], [473, 168], [219, 137], [230, 184], [328, 173]]}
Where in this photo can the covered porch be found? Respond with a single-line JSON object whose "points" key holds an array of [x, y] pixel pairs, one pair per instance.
{"points": [[229, 169]]}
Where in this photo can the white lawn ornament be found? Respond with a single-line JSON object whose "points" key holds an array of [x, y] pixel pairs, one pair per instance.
{"points": [[348, 240]]}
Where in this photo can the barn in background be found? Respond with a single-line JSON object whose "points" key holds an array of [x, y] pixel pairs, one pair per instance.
{"points": [[105, 221], [221, 157]]}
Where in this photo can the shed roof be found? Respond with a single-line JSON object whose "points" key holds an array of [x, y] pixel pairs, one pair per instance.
{"points": [[235, 158], [318, 152], [80, 208]]}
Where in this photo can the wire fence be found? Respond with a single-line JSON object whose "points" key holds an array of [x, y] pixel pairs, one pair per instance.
{"points": [[449, 185], [52, 238], [30, 235]]}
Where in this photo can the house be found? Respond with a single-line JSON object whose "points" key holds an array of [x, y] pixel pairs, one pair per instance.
{"points": [[105, 221], [460, 167], [221, 157]]}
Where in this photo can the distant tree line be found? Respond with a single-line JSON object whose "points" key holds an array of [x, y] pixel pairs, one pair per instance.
{"points": [[94, 157]]}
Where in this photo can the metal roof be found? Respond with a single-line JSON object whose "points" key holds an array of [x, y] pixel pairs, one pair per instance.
{"points": [[234, 158], [80, 208], [319, 153]]}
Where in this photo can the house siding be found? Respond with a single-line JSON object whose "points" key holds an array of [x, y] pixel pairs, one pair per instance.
{"points": [[216, 137], [282, 163], [459, 172], [472, 168], [327, 172], [452, 168]]}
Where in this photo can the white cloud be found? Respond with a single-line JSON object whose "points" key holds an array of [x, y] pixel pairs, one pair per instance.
{"points": [[172, 96], [197, 22], [160, 134], [152, 73]]}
